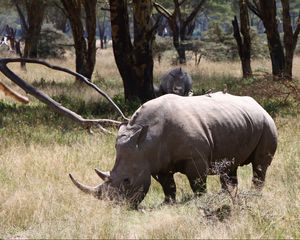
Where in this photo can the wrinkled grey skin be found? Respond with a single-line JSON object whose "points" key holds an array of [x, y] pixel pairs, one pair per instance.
{"points": [[195, 136], [176, 81]]}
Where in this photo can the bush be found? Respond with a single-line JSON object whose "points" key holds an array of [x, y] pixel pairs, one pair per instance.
{"points": [[51, 41]]}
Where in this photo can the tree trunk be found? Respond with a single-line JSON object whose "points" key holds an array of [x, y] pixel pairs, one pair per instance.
{"points": [[134, 62], [268, 14], [182, 28], [122, 47], [290, 39], [85, 51], [143, 42], [244, 44], [90, 26], [35, 14], [101, 29]]}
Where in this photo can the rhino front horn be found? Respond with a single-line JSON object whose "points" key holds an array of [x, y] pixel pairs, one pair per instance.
{"points": [[105, 176], [86, 189]]}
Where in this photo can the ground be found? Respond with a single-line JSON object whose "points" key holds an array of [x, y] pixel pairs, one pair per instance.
{"points": [[39, 148]]}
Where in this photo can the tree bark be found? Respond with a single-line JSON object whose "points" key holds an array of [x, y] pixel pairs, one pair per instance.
{"points": [[290, 38], [101, 29], [35, 15], [244, 44], [134, 60], [268, 14], [143, 43], [85, 51]]}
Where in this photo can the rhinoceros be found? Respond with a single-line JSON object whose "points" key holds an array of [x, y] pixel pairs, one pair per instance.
{"points": [[196, 136], [176, 81]]}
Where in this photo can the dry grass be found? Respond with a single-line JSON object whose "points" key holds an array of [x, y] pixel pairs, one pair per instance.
{"points": [[37, 199]]}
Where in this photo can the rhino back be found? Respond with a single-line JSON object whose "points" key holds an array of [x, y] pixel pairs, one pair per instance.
{"points": [[202, 127]]}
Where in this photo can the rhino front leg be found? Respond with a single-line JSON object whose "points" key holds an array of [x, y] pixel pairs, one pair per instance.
{"points": [[167, 182], [197, 175], [229, 180], [198, 184]]}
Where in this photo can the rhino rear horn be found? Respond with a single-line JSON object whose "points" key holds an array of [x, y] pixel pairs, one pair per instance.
{"points": [[105, 176]]}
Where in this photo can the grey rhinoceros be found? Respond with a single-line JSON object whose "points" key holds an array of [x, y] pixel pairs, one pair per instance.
{"points": [[196, 136], [176, 81]]}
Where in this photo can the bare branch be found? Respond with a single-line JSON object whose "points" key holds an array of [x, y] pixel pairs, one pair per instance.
{"points": [[21, 15], [49, 101], [153, 30], [10, 92], [182, 2], [60, 8], [105, 9], [254, 7], [194, 12], [162, 10]]}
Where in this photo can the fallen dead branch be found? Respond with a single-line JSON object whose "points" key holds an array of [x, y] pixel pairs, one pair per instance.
{"points": [[28, 88], [15, 95]]}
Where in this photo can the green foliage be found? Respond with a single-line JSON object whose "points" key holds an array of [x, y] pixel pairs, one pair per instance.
{"points": [[259, 46], [162, 44], [50, 41], [220, 10], [274, 106], [219, 45]]}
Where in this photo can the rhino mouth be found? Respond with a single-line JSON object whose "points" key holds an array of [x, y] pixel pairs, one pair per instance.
{"points": [[106, 191], [177, 90]]}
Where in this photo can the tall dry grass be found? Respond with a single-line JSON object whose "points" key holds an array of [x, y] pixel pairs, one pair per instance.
{"points": [[37, 199]]}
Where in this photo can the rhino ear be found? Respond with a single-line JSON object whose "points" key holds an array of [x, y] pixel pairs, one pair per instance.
{"points": [[139, 136]]}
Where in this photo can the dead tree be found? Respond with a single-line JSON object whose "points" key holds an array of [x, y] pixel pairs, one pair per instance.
{"points": [[28, 88]]}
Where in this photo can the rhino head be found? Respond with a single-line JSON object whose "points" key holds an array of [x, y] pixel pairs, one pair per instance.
{"points": [[130, 177], [178, 82]]}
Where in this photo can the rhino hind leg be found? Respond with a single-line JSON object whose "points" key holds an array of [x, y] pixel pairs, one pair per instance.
{"points": [[262, 157], [259, 175], [167, 182]]}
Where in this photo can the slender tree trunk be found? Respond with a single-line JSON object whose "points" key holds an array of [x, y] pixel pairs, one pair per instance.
{"points": [[268, 14], [177, 41], [90, 26], [290, 39], [244, 44], [101, 28], [85, 50]]}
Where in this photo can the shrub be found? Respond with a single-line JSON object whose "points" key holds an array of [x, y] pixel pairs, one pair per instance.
{"points": [[51, 42]]}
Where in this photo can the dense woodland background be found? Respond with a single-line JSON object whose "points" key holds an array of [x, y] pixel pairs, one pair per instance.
{"points": [[250, 47]]}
